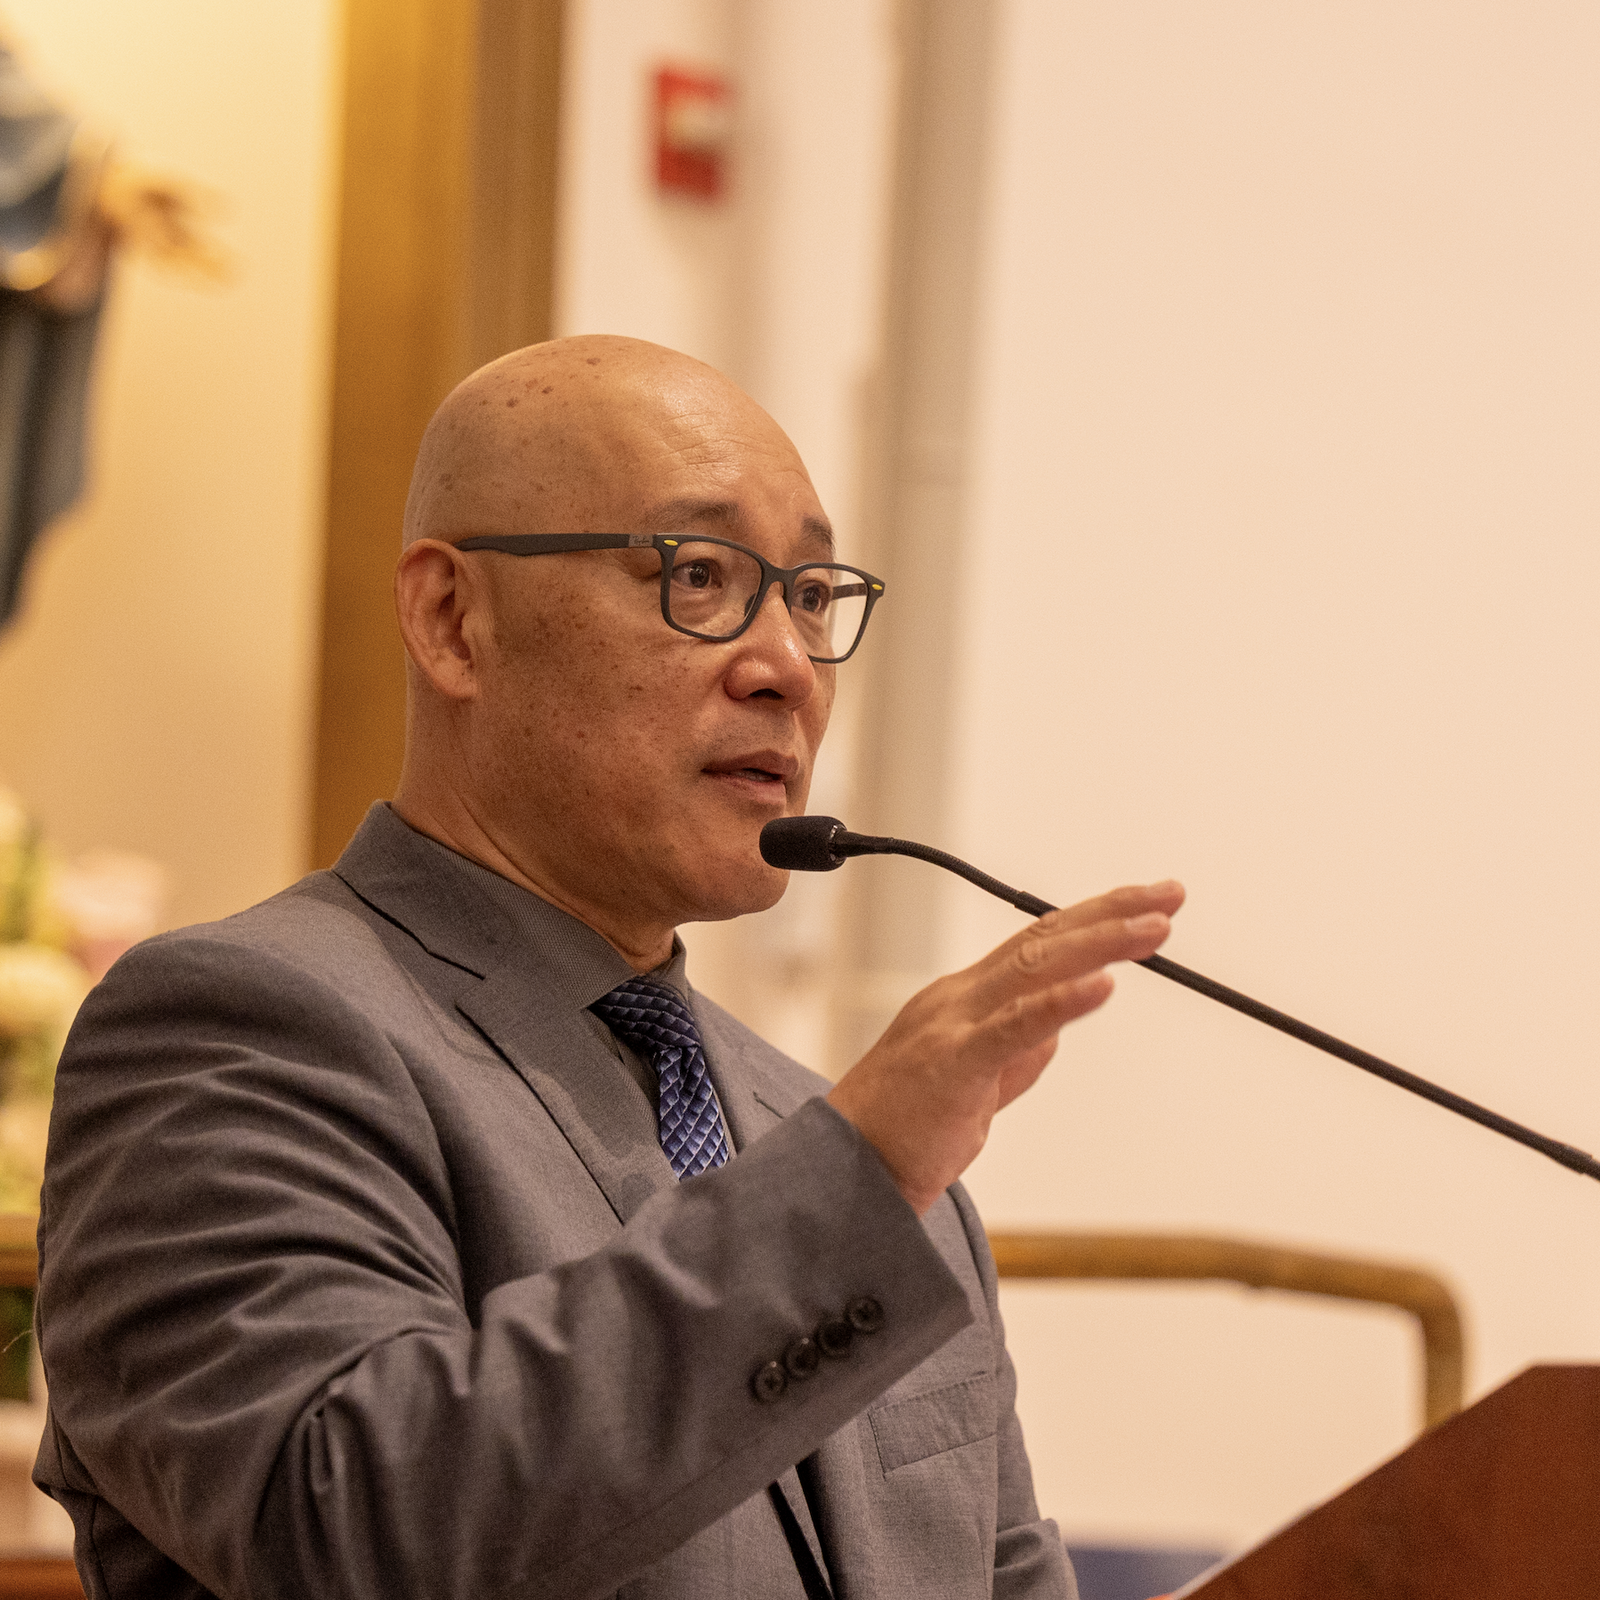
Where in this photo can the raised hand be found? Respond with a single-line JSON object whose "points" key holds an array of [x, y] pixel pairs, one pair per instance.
{"points": [[970, 1043]]}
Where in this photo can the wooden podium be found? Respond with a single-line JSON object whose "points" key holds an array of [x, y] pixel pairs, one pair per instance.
{"points": [[1502, 1502]]}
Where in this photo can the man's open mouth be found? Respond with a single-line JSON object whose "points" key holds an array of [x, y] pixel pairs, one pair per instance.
{"points": [[761, 766], [768, 769]]}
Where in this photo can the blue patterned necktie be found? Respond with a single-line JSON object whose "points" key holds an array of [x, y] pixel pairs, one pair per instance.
{"points": [[651, 1017]]}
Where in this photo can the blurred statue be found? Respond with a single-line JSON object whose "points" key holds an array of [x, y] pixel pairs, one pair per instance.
{"points": [[66, 206]]}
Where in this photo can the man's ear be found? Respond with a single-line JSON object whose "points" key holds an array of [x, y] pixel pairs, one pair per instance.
{"points": [[440, 605]]}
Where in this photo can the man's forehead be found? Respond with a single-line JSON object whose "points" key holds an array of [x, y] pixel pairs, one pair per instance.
{"points": [[727, 517], [590, 431]]}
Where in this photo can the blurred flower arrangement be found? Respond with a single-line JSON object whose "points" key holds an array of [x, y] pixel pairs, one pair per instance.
{"points": [[62, 924]]}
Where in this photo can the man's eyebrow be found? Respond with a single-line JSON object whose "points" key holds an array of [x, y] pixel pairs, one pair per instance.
{"points": [[817, 529], [671, 515]]}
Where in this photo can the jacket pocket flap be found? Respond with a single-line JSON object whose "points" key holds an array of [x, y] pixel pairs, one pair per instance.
{"points": [[928, 1424]]}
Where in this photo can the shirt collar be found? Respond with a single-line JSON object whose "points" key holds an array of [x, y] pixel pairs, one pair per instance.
{"points": [[578, 962]]}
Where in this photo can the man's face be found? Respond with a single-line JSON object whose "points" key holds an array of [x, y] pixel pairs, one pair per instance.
{"points": [[628, 764]]}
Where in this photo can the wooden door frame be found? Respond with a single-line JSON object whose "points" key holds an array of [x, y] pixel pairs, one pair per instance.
{"points": [[447, 218]]}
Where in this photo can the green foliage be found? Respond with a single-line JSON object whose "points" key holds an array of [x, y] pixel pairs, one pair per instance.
{"points": [[16, 1343], [29, 1065], [19, 885]]}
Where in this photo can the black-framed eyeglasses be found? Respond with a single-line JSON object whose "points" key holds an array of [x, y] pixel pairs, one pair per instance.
{"points": [[713, 588]]}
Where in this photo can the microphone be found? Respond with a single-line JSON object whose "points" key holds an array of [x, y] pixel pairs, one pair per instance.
{"points": [[822, 844]]}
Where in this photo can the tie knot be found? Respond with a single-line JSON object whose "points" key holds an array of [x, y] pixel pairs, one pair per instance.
{"points": [[648, 1015]]}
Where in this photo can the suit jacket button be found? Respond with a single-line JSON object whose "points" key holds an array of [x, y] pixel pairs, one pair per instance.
{"points": [[801, 1358], [865, 1314], [834, 1336], [769, 1382]]}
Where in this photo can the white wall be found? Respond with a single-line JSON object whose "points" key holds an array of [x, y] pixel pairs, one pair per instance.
{"points": [[1284, 581], [627, 261], [157, 695]]}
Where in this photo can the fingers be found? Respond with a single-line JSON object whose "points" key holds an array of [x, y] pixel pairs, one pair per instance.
{"points": [[1020, 1075], [1010, 1032], [1125, 925], [971, 1043], [1132, 900]]}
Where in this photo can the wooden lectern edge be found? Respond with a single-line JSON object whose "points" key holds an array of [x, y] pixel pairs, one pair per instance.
{"points": [[1201, 1258], [1502, 1502]]}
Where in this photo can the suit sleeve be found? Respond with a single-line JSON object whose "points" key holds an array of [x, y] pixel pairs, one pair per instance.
{"points": [[1029, 1561], [255, 1336]]}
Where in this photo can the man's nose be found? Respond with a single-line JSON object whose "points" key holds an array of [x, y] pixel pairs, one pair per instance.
{"points": [[774, 658]]}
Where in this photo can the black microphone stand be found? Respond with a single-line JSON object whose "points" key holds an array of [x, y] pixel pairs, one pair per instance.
{"points": [[819, 844]]}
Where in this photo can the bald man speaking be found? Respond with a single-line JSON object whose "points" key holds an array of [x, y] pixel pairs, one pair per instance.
{"points": [[422, 1233]]}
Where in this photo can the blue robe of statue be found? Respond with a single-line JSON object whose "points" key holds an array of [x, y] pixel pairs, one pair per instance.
{"points": [[49, 173]]}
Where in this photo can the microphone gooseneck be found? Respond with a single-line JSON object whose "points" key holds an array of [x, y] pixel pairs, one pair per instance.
{"points": [[822, 844]]}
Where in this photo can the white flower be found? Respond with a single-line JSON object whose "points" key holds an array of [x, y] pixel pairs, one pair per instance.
{"points": [[40, 989], [110, 894]]}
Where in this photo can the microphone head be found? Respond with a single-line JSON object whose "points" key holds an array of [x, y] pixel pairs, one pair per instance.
{"points": [[802, 844]]}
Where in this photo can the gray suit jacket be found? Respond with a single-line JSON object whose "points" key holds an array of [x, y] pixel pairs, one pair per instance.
{"points": [[362, 1273]]}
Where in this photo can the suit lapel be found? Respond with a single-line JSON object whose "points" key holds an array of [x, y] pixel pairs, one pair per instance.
{"points": [[754, 1099], [583, 1086], [546, 1038], [414, 883]]}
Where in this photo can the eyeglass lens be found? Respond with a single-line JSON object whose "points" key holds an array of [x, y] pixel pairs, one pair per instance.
{"points": [[713, 588]]}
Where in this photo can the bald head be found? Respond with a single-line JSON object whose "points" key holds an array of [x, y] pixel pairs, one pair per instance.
{"points": [[559, 730], [557, 438]]}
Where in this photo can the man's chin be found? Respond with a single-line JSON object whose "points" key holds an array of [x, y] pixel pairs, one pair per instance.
{"points": [[735, 889]]}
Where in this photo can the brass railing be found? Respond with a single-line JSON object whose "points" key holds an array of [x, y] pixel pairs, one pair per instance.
{"points": [[1198, 1258]]}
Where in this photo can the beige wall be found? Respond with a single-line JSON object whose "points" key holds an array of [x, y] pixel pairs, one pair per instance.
{"points": [[1284, 581], [156, 695]]}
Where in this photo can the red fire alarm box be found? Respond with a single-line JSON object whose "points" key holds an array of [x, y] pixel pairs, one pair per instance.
{"points": [[694, 116]]}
